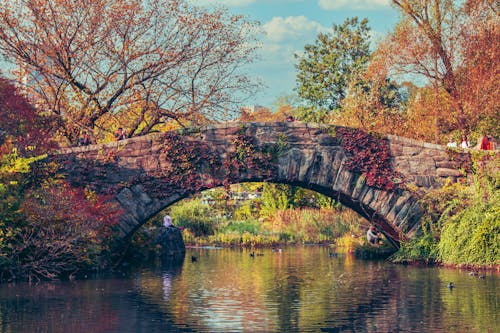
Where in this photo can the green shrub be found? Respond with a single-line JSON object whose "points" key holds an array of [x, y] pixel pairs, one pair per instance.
{"points": [[473, 235], [195, 216], [240, 227], [423, 248]]}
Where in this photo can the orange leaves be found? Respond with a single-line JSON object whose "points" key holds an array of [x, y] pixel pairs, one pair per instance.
{"points": [[84, 60], [446, 48]]}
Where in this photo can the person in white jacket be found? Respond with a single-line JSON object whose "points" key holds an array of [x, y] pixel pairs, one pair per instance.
{"points": [[167, 221], [372, 235]]}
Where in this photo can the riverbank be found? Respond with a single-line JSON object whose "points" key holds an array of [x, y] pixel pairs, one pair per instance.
{"points": [[431, 263]]}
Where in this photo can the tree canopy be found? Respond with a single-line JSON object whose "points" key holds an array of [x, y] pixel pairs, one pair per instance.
{"points": [[98, 64], [453, 48], [326, 67]]}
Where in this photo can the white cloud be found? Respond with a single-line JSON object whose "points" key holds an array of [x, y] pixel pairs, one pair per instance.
{"points": [[353, 4], [284, 37], [291, 28], [239, 3], [228, 3]]}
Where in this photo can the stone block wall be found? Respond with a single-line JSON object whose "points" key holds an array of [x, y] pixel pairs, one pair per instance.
{"points": [[427, 165]]}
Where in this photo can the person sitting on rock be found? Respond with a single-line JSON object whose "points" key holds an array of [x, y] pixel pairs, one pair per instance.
{"points": [[373, 236], [167, 221]]}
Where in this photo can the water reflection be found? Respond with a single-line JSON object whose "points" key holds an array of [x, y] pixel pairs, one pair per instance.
{"points": [[299, 290]]}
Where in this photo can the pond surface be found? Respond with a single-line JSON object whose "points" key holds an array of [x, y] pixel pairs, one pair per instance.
{"points": [[301, 289]]}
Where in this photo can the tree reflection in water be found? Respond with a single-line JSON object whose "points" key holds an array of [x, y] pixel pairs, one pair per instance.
{"points": [[300, 290]]}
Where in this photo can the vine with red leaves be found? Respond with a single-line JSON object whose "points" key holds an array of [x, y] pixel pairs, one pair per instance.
{"points": [[244, 157], [191, 165], [187, 163], [371, 157]]}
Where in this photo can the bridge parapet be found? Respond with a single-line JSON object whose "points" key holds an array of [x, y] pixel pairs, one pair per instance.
{"points": [[427, 165]]}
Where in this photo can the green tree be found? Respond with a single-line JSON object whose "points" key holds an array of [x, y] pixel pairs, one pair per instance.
{"points": [[326, 67], [275, 197]]}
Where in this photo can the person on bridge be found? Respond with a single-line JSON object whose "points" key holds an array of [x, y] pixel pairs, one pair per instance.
{"points": [[120, 134], [85, 139], [452, 143], [373, 236], [485, 143], [465, 142], [493, 143]]}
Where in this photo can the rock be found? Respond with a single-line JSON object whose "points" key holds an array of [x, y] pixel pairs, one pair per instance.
{"points": [[445, 172], [171, 242]]}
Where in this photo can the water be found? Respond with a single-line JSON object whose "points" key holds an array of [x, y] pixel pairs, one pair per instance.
{"points": [[299, 290]]}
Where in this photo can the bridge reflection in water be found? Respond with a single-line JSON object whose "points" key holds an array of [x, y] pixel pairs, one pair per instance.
{"points": [[299, 290]]}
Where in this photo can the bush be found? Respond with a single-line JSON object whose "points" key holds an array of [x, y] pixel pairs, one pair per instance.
{"points": [[240, 227], [461, 226], [473, 235], [419, 249], [63, 231], [194, 216]]}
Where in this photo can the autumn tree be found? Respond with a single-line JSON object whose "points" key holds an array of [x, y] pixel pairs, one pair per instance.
{"points": [[263, 114], [374, 103], [326, 67], [451, 46], [478, 75], [21, 127], [91, 61]]}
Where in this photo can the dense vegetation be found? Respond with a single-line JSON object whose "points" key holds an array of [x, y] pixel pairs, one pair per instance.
{"points": [[462, 225], [47, 228], [281, 215]]}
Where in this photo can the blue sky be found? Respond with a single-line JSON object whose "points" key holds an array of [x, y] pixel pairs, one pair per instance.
{"points": [[291, 24]]}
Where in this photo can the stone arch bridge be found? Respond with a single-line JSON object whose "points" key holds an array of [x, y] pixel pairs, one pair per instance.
{"points": [[146, 174]]}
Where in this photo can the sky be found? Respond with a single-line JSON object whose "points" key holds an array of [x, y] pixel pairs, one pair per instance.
{"points": [[289, 25]]}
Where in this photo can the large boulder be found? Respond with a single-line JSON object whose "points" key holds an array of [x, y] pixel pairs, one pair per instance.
{"points": [[171, 242]]}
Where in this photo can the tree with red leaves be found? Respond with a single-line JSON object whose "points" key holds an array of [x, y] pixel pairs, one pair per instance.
{"points": [[47, 228], [21, 126]]}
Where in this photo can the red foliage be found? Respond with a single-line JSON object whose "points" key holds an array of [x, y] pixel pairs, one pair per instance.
{"points": [[193, 166], [370, 156], [189, 163], [58, 201], [20, 121], [66, 231]]}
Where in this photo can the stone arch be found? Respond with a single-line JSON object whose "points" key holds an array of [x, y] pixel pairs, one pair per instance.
{"points": [[144, 175]]}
